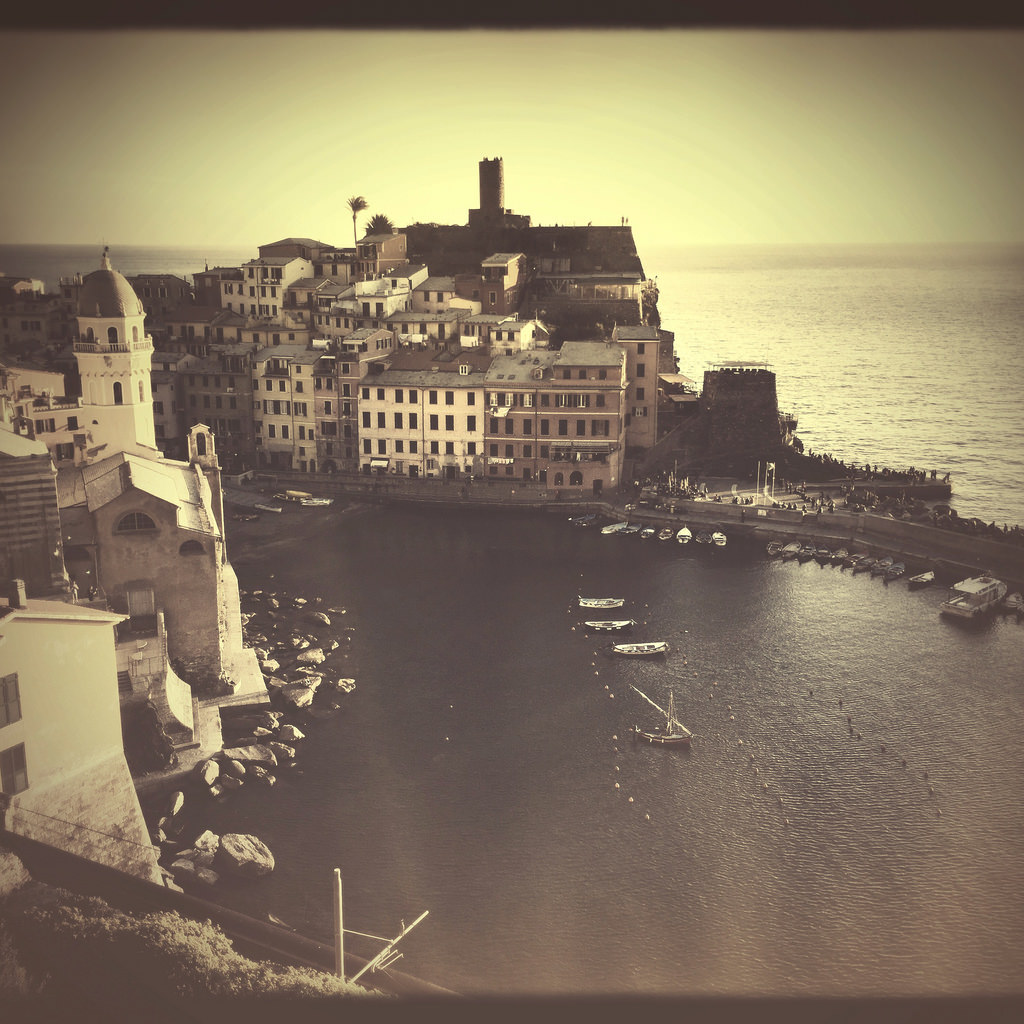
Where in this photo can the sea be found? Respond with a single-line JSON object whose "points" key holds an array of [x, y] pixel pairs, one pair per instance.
{"points": [[848, 820]]}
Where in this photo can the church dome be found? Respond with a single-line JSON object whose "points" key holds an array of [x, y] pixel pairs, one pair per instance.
{"points": [[106, 293]]}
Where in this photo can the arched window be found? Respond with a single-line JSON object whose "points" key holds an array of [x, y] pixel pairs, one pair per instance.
{"points": [[135, 335], [142, 394], [575, 479], [89, 336], [559, 479], [112, 335], [191, 547], [133, 522], [118, 393], [200, 444]]}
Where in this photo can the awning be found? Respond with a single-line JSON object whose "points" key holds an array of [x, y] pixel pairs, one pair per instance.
{"points": [[379, 463], [499, 412], [579, 445], [495, 461]]}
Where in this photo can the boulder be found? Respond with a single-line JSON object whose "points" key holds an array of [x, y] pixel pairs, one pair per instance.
{"points": [[314, 656], [201, 858], [206, 841], [274, 603], [176, 803], [234, 768], [207, 771], [183, 869], [260, 774], [321, 617], [290, 733], [216, 790], [269, 665], [300, 695], [282, 751], [157, 836], [333, 645], [244, 855], [256, 753], [260, 719], [298, 601], [231, 782], [207, 876]]}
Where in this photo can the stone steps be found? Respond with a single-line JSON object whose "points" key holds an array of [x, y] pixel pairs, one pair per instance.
{"points": [[124, 683]]}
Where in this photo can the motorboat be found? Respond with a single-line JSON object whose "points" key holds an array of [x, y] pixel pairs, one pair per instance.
{"points": [[643, 650], [602, 602], [924, 579], [718, 539], [684, 536], [672, 734], [610, 625], [614, 527], [973, 597]]}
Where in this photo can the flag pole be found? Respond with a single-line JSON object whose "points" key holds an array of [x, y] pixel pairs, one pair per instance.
{"points": [[757, 483]]}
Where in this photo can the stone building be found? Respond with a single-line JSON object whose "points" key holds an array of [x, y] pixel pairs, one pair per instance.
{"points": [[741, 409]]}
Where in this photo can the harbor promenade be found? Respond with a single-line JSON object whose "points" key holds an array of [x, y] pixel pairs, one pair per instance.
{"points": [[921, 546]]}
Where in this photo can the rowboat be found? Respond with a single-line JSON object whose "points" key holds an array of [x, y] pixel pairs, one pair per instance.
{"points": [[614, 527], [881, 567], [602, 602], [584, 520], [641, 650], [647, 533], [673, 734], [839, 556], [774, 548], [315, 502], [266, 508], [790, 550], [865, 564], [610, 625], [924, 579], [703, 537], [895, 571], [684, 536], [718, 539], [666, 533]]}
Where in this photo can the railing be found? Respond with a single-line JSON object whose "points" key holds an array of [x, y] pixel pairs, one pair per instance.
{"points": [[95, 346]]}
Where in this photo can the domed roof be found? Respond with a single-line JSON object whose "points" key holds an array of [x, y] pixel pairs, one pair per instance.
{"points": [[106, 293]]}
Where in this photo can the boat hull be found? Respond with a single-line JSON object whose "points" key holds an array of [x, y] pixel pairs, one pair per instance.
{"points": [[640, 650], [661, 739]]}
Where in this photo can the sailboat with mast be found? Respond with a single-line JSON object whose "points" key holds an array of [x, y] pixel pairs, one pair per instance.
{"points": [[674, 733]]}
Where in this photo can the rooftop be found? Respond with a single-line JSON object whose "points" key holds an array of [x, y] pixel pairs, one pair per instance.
{"points": [[590, 353], [519, 369]]}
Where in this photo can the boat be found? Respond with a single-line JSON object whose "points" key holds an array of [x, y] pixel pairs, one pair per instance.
{"points": [[806, 552], [584, 520], [263, 507], [641, 650], [924, 579], [295, 497], [673, 734], [881, 567], [972, 597], [865, 564], [614, 527], [703, 537], [823, 556], [684, 536], [774, 549], [895, 571], [630, 528], [610, 625], [839, 556], [602, 602], [1014, 602], [718, 539], [315, 502], [647, 533], [666, 533], [851, 560], [790, 551]]}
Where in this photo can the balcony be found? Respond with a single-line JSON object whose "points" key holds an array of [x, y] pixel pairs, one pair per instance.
{"points": [[146, 345]]}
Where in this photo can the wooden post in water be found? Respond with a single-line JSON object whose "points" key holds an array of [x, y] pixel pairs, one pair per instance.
{"points": [[339, 933]]}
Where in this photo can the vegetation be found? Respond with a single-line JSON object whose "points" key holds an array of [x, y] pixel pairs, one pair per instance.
{"points": [[356, 204], [379, 224]]}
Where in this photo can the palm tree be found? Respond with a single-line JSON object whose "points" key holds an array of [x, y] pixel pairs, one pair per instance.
{"points": [[356, 204], [379, 224]]}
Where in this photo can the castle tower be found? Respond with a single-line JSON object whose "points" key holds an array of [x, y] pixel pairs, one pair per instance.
{"points": [[492, 187], [114, 356], [202, 454]]}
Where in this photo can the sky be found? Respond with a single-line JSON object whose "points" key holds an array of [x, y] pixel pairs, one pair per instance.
{"points": [[696, 136]]}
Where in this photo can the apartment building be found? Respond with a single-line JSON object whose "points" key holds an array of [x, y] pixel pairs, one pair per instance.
{"points": [[498, 286], [284, 407], [378, 254], [642, 347], [422, 414], [168, 401], [557, 417], [264, 282], [426, 329]]}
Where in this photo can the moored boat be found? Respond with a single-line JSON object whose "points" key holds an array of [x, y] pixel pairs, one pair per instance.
{"points": [[585, 520], [316, 501], [823, 556], [774, 549], [975, 596], [647, 533], [895, 571], [881, 567], [851, 560], [865, 564], [630, 528], [666, 533], [614, 527], [790, 550], [672, 734], [806, 553], [718, 539], [263, 507], [1014, 602], [839, 556], [641, 650], [924, 579], [703, 537], [684, 536], [602, 602], [610, 625]]}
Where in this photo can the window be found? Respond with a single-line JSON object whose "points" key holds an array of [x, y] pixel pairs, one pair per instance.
{"points": [[191, 547], [563, 427], [581, 428], [134, 522], [640, 394], [380, 420], [494, 450], [640, 369], [10, 700], [435, 448], [599, 401], [399, 446], [432, 397], [398, 421], [413, 395], [470, 398], [527, 451], [449, 447], [527, 426], [471, 423], [382, 446], [433, 421], [398, 395], [158, 408], [545, 428], [414, 420], [545, 399], [449, 398], [449, 423], [298, 386], [414, 447], [365, 393], [380, 395], [271, 430], [602, 374], [13, 773], [73, 420], [327, 408], [366, 419], [471, 447], [118, 393], [367, 450], [284, 431], [510, 451], [640, 349], [510, 427]]}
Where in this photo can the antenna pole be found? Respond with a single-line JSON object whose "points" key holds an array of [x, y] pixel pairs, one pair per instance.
{"points": [[339, 933]]}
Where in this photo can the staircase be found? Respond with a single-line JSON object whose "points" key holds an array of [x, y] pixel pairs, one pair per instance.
{"points": [[124, 683]]}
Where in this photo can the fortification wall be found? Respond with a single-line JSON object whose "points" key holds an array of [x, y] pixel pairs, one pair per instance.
{"points": [[742, 410]]}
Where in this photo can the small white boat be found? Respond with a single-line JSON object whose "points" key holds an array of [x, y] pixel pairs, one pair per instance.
{"points": [[641, 650], [314, 502], [647, 533], [718, 538], [266, 508], [791, 550], [602, 602], [666, 533], [610, 625], [684, 536], [614, 527], [774, 549], [924, 579], [972, 597], [1014, 602]]}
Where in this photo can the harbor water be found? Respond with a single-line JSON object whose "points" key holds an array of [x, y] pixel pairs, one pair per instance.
{"points": [[482, 769]]}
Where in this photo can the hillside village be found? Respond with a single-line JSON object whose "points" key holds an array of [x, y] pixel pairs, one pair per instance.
{"points": [[492, 351]]}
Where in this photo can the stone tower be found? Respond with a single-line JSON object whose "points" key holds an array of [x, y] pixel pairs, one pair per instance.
{"points": [[202, 454], [492, 187], [114, 356]]}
